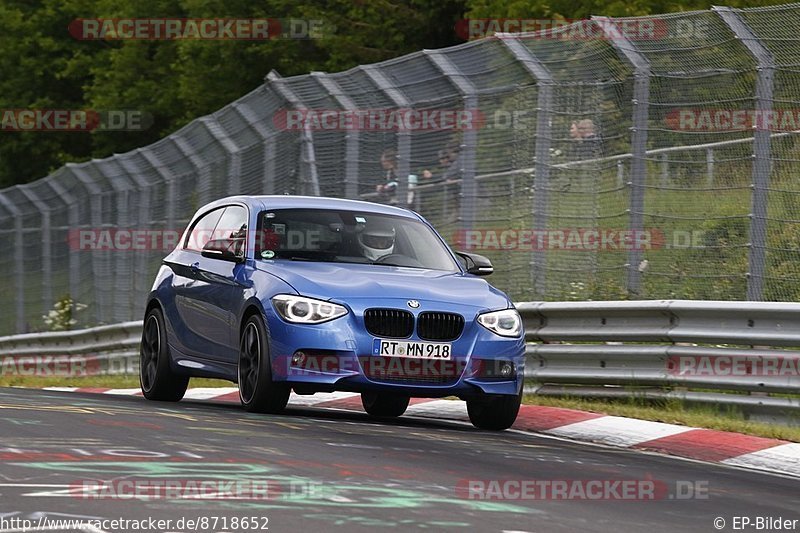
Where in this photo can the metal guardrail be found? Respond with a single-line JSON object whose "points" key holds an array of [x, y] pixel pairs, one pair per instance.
{"points": [[641, 349], [103, 350], [113, 337], [592, 349]]}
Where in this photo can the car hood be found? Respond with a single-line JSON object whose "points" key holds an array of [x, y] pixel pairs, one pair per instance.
{"points": [[345, 282]]}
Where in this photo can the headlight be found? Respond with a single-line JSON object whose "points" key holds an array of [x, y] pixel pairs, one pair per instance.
{"points": [[302, 310], [505, 323]]}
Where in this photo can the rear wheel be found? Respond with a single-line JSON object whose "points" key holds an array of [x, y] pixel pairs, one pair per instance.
{"points": [[494, 413], [384, 405], [156, 378], [257, 392]]}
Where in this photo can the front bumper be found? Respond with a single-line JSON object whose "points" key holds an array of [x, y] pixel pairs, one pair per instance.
{"points": [[337, 355]]}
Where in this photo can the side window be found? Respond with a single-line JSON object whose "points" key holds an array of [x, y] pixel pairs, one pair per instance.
{"points": [[232, 227], [202, 231]]}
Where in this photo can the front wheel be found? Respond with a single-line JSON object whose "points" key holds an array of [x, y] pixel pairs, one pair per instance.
{"points": [[156, 378], [384, 405], [257, 392], [494, 413]]}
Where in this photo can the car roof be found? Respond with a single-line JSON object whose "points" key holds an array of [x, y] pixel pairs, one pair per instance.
{"points": [[286, 201]]}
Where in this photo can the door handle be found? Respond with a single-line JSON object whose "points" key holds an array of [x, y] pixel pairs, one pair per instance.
{"points": [[195, 266]]}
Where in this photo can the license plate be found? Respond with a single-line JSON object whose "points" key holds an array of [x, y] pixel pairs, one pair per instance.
{"points": [[420, 350]]}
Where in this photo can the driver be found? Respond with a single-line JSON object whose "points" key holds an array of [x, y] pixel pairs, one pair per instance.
{"points": [[375, 243]]}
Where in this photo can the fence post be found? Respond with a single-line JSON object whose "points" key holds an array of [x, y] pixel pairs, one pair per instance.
{"points": [[141, 284], [234, 154], [469, 187], [351, 178], [541, 179], [286, 92], [19, 263], [122, 272], [204, 180], [641, 103], [269, 144], [172, 186], [761, 149], [377, 77], [73, 222], [95, 206], [710, 167], [47, 247]]}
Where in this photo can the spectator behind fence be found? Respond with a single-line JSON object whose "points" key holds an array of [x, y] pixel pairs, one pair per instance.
{"points": [[586, 143], [447, 172], [448, 169], [387, 188]]}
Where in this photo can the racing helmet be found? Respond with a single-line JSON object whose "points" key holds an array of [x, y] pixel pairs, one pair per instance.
{"points": [[376, 242]]}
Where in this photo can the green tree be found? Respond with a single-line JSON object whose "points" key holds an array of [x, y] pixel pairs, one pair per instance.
{"points": [[35, 57], [177, 81]]}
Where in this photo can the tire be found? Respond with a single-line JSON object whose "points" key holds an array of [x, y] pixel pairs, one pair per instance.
{"points": [[384, 405], [156, 378], [257, 392], [495, 413]]}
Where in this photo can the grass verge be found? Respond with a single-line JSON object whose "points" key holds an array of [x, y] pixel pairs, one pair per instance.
{"points": [[673, 412]]}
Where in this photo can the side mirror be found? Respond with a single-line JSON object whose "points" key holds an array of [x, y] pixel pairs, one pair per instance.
{"points": [[476, 264], [224, 249]]}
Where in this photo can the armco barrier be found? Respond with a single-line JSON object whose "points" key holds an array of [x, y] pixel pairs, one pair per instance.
{"points": [[103, 350], [635, 348], [113, 337]]}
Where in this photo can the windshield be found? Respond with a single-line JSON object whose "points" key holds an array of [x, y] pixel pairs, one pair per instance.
{"points": [[332, 235]]}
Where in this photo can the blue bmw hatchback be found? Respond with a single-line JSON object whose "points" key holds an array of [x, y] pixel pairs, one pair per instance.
{"points": [[282, 293]]}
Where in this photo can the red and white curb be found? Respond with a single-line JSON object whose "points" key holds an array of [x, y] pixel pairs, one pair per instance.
{"points": [[708, 445]]}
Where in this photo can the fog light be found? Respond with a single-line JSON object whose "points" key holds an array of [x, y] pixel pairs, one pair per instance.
{"points": [[494, 369], [298, 359]]}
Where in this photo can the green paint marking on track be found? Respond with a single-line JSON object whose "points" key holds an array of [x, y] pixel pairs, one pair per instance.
{"points": [[366, 497], [323, 494]]}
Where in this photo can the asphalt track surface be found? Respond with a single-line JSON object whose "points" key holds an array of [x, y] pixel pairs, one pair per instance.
{"points": [[330, 470]]}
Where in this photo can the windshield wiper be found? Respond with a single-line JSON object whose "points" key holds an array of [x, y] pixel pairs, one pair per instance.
{"points": [[335, 260], [316, 259], [383, 263], [309, 259]]}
